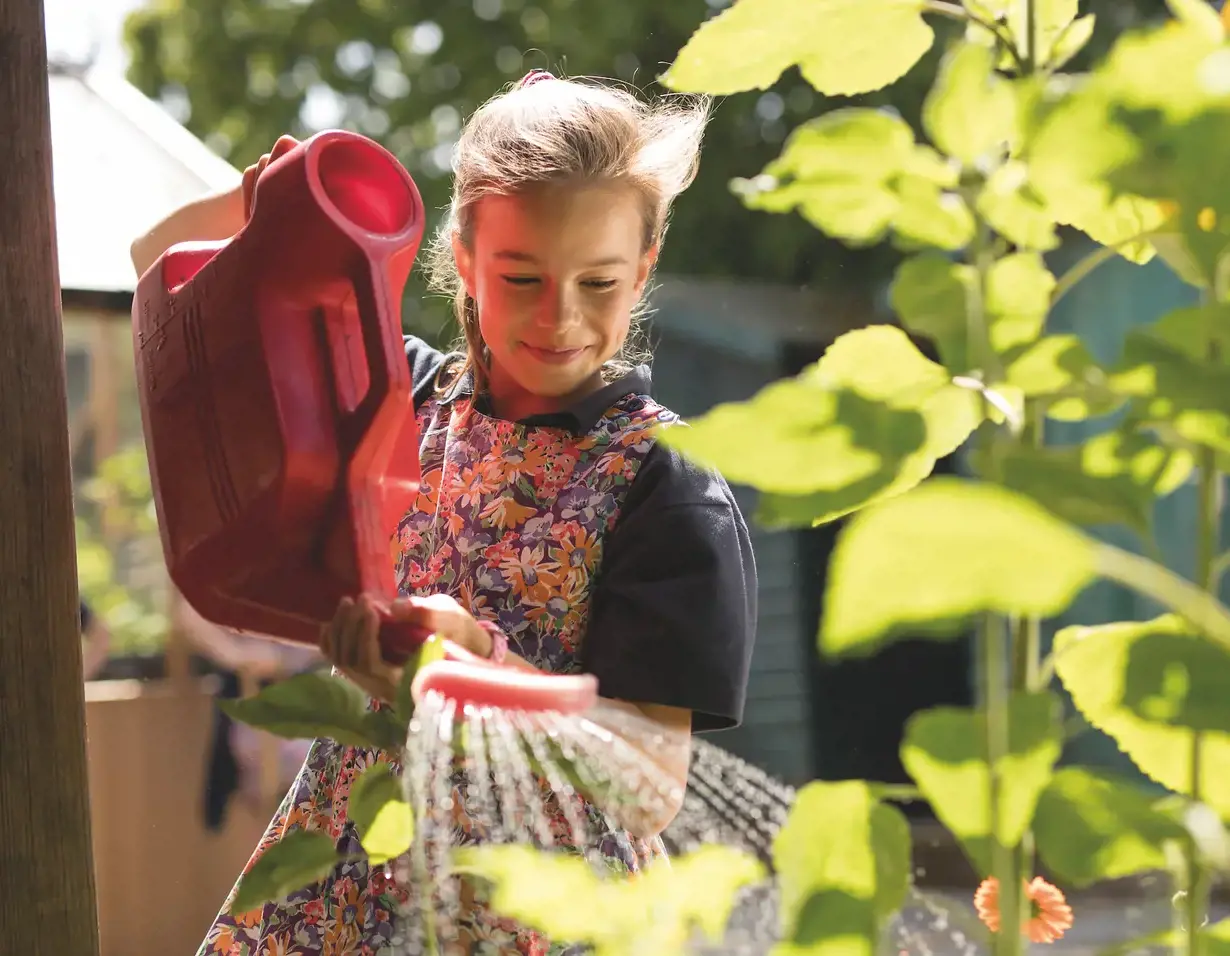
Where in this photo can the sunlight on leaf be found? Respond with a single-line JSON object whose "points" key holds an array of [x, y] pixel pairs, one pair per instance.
{"points": [[1060, 368], [929, 293], [295, 862], [381, 814], [856, 173], [1052, 18], [1003, 553], [970, 113], [656, 912], [310, 705], [881, 362], [1011, 209], [945, 752], [850, 421], [1092, 826], [1145, 684], [842, 47], [1056, 479], [840, 854]]}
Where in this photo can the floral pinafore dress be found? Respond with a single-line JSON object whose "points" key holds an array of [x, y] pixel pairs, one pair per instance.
{"points": [[510, 521]]}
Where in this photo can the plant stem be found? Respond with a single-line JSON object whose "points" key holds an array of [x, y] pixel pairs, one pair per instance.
{"points": [[955, 11], [1004, 865], [1084, 266]]}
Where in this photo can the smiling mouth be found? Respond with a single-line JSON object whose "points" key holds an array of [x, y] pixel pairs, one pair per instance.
{"points": [[553, 356]]}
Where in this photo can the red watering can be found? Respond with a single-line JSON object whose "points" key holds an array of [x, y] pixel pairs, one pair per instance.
{"points": [[276, 402]]}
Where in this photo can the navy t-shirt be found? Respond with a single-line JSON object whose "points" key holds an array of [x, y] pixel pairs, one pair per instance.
{"points": [[672, 614]]}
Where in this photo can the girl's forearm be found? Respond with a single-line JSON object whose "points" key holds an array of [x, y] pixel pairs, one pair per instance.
{"points": [[211, 218]]}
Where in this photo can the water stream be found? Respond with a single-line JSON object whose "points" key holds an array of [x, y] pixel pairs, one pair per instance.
{"points": [[524, 772]]}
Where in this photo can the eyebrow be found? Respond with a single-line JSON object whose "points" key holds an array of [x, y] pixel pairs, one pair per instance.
{"points": [[512, 255]]}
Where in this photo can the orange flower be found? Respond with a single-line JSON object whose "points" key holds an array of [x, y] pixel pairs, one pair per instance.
{"points": [[1050, 915]]}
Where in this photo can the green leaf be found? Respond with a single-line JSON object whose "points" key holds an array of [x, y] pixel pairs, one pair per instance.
{"points": [[1200, 15], [1003, 553], [381, 814], [1051, 19], [1056, 479], [1091, 826], [1146, 684], [856, 173], [945, 752], [1019, 290], [930, 294], [850, 419], [1193, 394], [298, 860], [1060, 368], [842, 47], [311, 705], [1074, 38], [843, 865], [881, 362], [1011, 208], [655, 913], [970, 113]]}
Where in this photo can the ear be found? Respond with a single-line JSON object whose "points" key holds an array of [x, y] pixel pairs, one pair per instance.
{"points": [[465, 263], [645, 266]]}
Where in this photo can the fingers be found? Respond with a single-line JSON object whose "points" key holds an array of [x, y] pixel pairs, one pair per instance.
{"points": [[253, 173], [440, 614]]}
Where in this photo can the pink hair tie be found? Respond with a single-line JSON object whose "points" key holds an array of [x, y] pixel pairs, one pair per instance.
{"points": [[534, 76]]}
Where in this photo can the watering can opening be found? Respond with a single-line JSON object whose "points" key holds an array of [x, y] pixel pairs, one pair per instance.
{"points": [[365, 186]]}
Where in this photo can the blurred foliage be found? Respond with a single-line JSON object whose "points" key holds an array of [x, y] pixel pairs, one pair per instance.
{"points": [[120, 568], [240, 73]]}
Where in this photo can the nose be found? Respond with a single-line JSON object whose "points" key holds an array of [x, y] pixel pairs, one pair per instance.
{"points": [[559, 310]]}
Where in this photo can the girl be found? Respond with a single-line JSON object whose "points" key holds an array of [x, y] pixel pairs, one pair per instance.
{"points": [[552, 531]]}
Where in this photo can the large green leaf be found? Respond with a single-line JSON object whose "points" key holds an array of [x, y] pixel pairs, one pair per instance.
{"points": [[945, 752], [1091, 826], [295, 862], [1112, 478], [842, 47], [970, 113], [856, 173], [381, 814], [317, 705], [880, 362], [843, 865], [844, 429], [1193, 394], [656, 913], [1147, 684], [1002, 552], [1011, 207]]}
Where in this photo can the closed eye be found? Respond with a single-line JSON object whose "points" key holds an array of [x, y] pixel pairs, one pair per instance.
{"points": [[521, 280], [600, 285]]}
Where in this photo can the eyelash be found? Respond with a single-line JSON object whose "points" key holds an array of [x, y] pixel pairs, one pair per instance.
{"points": [[598, 285]]}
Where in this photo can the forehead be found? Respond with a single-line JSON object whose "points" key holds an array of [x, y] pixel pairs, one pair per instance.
{"points": [[561, 223]]}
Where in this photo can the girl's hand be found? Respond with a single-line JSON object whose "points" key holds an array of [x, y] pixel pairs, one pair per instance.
{"points": [[351, 641], [441, 615], [250, 175]]}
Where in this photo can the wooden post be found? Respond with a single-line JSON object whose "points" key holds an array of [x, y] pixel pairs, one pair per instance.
{"points": [[47, 901]]}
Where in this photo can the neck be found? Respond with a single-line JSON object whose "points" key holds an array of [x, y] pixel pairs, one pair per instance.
{"points": [[514, 403]]}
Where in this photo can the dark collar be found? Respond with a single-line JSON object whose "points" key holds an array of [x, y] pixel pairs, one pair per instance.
{"points": [[582, 415]]}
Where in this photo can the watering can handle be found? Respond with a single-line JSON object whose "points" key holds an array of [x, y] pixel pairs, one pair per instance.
{"points": [[400, 641]]}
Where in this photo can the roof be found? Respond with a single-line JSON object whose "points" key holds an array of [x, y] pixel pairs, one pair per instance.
{"points": [[120, 163]]}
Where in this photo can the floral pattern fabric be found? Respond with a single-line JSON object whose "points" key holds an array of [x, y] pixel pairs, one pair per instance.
{"points": [[510, 520]]}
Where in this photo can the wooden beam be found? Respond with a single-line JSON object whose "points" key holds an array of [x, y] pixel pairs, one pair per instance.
{"points": [[47, 900]]}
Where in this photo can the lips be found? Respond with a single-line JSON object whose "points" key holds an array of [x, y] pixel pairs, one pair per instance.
{"points": [[552, 355]]}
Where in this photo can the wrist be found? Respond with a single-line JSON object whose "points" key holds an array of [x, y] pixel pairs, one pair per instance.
{"points": [[497, 641]]}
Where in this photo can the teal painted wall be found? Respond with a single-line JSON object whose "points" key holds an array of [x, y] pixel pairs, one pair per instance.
{"points": [[1114, 299]]}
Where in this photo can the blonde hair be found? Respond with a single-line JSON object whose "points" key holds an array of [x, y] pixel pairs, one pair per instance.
{"points": [[551, 130]]}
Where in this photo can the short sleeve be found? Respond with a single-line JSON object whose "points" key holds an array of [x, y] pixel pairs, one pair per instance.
{"points": [[424, 364], [673, 611]]}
